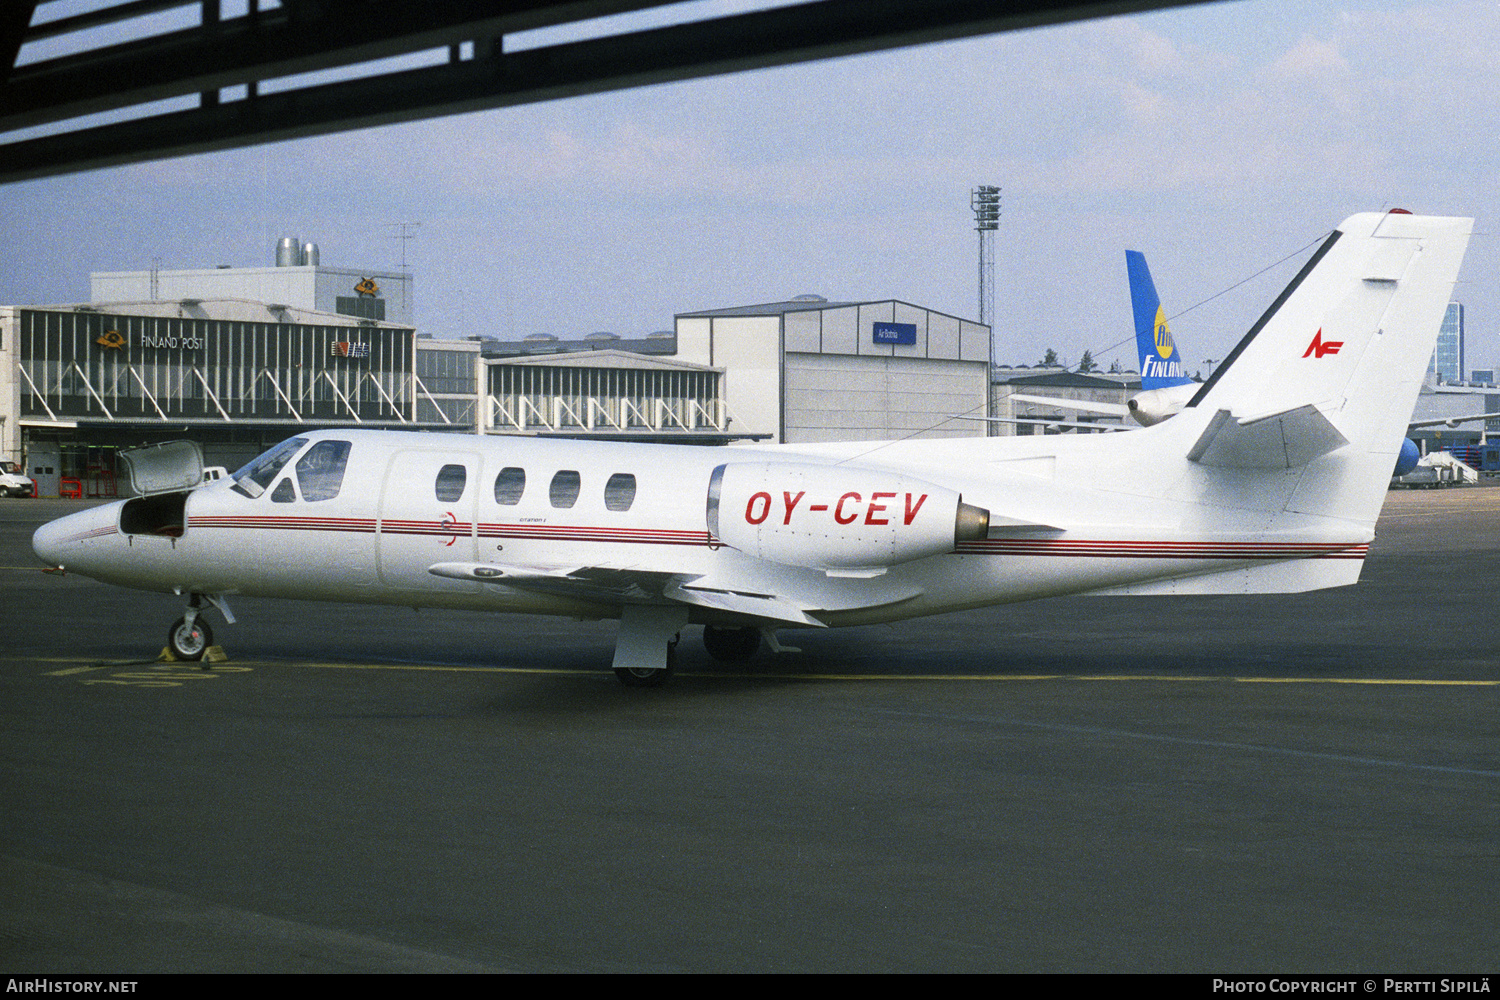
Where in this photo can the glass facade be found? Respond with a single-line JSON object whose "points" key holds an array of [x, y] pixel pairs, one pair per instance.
{"points": [[100, 366], [529, 397], [1448, 359]]}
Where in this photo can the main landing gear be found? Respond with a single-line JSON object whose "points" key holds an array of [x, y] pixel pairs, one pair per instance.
{"points": [[735, 645], [190, 636], [646, 651], [731, 645]]}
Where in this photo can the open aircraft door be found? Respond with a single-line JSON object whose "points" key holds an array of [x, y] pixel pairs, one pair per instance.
{"points": [[427, 517]]}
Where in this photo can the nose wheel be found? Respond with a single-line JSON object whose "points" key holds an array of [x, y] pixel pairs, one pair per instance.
{"points": [[188, 640], [190, 637]]}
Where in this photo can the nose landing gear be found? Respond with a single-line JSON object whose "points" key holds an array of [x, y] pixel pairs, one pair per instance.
{"points": [[190, 636]]}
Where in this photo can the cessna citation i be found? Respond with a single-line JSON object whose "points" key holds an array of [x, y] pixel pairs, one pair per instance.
{"points": [[1269, 480]]}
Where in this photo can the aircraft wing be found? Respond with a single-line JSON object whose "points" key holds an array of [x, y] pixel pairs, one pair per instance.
{"points": [[1113, 409], [1450, 421], [615, 585], [610, 584], [743, 602], [1045, 421]]}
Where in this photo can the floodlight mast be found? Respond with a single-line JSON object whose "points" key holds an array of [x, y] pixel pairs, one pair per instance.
{"points": [[985, 201]]}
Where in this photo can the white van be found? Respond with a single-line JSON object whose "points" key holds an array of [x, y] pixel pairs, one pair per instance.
{"points": [[13, 483]]}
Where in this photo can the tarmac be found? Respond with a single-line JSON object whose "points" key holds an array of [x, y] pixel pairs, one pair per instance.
{"points": [[1273, 784]]}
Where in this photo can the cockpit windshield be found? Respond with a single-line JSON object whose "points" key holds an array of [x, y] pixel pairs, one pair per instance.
{"points": [[320, 472], [254, 477]]}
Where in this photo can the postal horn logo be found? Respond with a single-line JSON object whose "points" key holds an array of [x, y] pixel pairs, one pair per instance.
{"points": [[112, 339], [1162, 335], [367, 286]]}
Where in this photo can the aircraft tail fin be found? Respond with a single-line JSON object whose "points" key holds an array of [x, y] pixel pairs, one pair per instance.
{"points": [[1327, 379], [1161, 365]]}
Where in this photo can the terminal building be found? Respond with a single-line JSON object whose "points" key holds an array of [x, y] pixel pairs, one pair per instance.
{"points": [[81, 381], [297, 279], [240, 358]]}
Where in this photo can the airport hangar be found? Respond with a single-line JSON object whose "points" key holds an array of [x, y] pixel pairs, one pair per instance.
{"points": [[208, 359]]}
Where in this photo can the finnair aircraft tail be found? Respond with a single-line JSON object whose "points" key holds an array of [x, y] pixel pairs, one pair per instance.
{"points": [[1161, 365]]}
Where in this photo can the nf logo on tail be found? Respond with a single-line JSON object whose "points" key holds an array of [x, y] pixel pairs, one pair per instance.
{"points": [[1320, 347]]}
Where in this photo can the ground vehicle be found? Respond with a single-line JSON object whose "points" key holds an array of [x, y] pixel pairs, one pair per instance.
{"points": [[13, 482]]}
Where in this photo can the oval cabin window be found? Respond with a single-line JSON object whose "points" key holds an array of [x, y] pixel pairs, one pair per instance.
{"points": [[619, 492], [509, 486], [564, 491], [450, 483]]}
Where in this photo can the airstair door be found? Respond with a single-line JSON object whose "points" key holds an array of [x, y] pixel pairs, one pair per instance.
{"points": [[427, 516]]}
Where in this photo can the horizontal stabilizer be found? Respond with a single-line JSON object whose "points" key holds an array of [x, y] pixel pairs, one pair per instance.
{"points": [[1286, 440], [1293, 577]]}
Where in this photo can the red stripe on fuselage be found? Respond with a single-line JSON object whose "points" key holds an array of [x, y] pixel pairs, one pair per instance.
{"points": [[1068, 547]]}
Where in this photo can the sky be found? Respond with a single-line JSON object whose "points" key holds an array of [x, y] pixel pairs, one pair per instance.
{"points": [[1218, 140]]}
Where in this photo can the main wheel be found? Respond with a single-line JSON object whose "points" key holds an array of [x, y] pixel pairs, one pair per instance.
{"points": [[643, 678], [189, 642], [654, 677], [731, 645]]}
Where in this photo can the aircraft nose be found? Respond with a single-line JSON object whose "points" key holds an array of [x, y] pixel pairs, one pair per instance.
{"points": [[47, 542], [59, 542]]}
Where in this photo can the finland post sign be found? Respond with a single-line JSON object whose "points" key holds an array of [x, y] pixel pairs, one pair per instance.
{"points": [[895, 333]]}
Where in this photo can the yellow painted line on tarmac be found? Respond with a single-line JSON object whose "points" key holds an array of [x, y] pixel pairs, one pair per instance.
{"points": [[1362, 680], [79, 665], [427, 667], [1001, 678], [947, 678], [1396, 516]]}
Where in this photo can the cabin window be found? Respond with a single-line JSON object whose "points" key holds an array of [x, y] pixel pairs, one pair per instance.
{"points": [[283, 493], [509, 486], [450, 482], [254, 477], [320, 472], [564, 491], [619, 492]]}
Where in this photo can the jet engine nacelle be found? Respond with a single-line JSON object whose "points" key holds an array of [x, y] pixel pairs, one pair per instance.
{"points": [[838, 519], [1155, 405]]}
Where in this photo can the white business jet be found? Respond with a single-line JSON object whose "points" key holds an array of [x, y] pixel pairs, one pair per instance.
{"points": [[1269, 480]]}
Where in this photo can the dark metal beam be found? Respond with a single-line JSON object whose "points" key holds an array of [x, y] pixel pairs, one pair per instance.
{"points": [[299, 37], [492, 79], [14, 17]]}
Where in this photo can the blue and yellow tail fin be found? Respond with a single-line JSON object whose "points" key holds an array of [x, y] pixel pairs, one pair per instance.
{"points": [[1161, 365]]}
